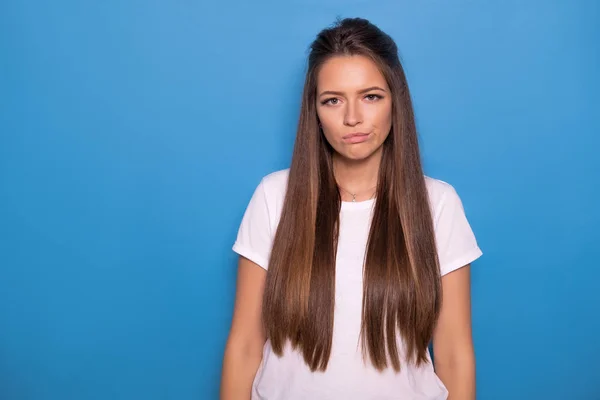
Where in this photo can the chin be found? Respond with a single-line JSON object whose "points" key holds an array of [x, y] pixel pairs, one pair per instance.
{"points": [[357, 155]]}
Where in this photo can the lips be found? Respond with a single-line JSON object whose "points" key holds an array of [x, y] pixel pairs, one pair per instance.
{"points": [[356, 137], [355, 134]]}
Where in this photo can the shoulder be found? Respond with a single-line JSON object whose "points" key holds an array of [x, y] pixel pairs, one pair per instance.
{"points": [[455, 240], [256, 231], [273, 187], [276, 182], [438, 189], [441, 194]]}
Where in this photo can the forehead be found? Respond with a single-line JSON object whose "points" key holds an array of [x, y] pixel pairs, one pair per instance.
{"points": [[349, 73]]}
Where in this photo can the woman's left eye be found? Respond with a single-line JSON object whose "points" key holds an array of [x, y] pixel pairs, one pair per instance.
{"points": [[372, 97]]}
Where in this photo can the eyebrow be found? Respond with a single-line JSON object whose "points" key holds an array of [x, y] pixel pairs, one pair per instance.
{"points": [[360, 92]]}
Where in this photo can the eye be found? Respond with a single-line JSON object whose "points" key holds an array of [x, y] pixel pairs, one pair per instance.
{"points": [[373, 97], [333, 101]]}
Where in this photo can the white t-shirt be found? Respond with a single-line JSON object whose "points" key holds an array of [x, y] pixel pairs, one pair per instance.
{"points": [[347, 376]]}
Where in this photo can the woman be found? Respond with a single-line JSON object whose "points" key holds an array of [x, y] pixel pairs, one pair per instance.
{"points": [[353, 261]]}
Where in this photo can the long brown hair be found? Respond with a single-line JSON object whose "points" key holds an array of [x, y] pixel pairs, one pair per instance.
{"points": [[402, 288]]}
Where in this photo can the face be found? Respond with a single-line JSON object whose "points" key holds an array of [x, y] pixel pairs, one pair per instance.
{"points": [[354, 106]]}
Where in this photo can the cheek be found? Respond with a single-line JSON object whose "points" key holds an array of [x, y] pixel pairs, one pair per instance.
{"points": [[328, 136], [328, 117], [383, 123], [329, 124], [383, 117]]}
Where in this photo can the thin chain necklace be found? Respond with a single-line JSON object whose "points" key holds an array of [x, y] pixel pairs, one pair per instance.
{"points": [[354, 194]]}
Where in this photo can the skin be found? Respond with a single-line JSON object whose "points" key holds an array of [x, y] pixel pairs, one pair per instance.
{"points": [[243, 350], [452, 339], [352, 96]]}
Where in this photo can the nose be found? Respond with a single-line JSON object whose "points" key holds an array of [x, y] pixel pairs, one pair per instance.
{"points": [[353, 116]]}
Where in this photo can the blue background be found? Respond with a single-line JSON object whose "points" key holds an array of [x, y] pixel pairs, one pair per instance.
{"points": [[132, 134]]}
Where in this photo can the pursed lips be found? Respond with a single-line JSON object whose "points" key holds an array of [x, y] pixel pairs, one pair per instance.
{"points": [[355, 137]]}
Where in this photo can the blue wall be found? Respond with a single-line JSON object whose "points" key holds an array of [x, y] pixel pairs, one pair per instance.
{"points": [[132, 135]]}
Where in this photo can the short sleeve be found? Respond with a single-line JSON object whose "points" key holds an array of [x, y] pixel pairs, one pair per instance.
{"points": [[456, 243], [254, 239]]}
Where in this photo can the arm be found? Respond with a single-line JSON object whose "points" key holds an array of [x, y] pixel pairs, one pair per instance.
{"points": [[454, 356], [243, 351]]}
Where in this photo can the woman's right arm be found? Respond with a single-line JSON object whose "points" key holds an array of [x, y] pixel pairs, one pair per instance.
{"points": [[243, 351]]}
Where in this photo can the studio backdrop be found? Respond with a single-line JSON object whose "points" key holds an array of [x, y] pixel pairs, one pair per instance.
{"points": [[132, 134]]}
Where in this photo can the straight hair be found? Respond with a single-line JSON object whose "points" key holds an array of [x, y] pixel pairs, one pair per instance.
{"points": [[401, 278]]}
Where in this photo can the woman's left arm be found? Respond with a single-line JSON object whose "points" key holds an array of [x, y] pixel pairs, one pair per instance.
{"points": [[454, 356]]}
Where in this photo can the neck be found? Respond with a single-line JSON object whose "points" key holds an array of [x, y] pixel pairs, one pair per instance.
{"points": [[357, 177]]}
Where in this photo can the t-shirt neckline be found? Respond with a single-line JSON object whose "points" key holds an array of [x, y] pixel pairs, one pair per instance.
{"points": [[357, 205]]}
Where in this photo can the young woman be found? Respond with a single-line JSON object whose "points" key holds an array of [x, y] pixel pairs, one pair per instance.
{"points": [[352, 260]]}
